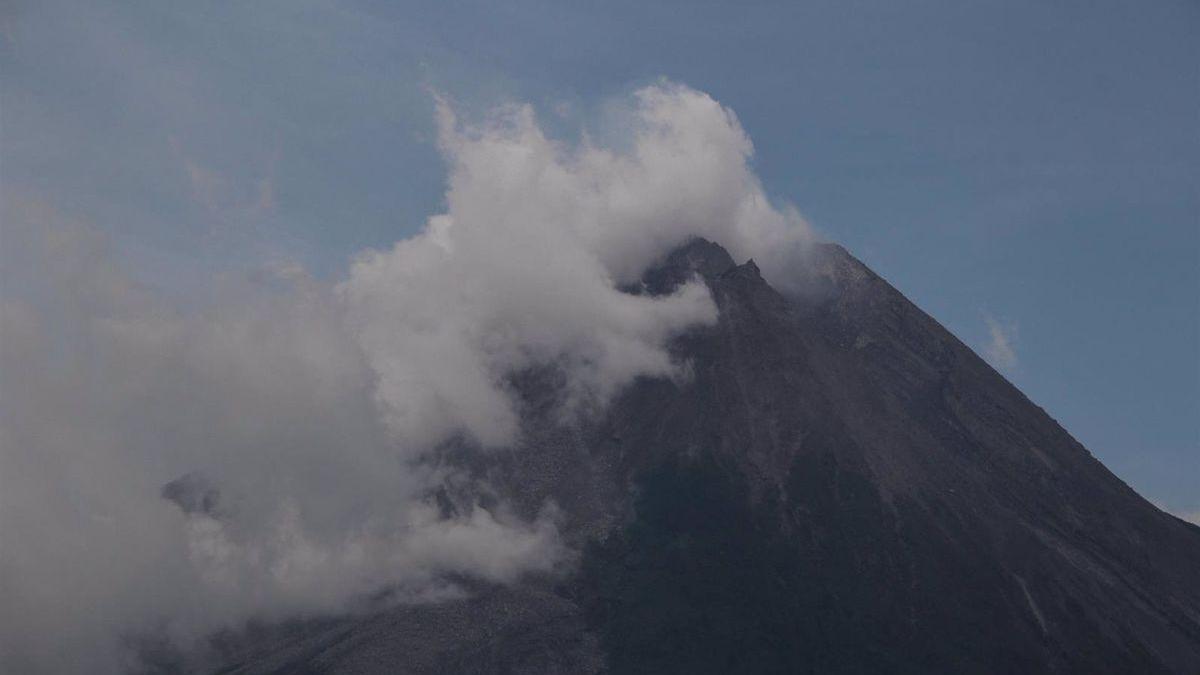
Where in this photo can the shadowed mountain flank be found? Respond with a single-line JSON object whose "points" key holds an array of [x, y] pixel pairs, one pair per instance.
{"points": [[839, 486]]}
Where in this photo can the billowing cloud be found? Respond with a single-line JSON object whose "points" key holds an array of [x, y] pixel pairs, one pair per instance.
{"points": [[300, 501], [524, 266], [171, 468]]}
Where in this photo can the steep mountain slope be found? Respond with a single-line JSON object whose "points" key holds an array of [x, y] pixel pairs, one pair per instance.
{"points": [[840, 486]]}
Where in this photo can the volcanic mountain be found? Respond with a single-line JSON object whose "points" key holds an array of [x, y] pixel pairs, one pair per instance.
{"points": [[839, 486]]}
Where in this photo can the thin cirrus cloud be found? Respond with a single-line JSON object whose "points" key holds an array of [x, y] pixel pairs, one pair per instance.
{"points": [[287, 416]]}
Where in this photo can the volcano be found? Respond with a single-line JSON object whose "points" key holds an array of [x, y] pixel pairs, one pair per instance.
{"points": [[838, 486]]}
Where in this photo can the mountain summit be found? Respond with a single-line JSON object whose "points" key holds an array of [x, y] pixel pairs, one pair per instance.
{"points": [[838, 486]]}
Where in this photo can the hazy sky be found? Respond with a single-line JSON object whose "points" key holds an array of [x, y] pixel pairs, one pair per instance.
{"points": [[1027, 172]]}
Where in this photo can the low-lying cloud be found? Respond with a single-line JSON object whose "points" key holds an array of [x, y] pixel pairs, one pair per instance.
{"points": [[171, 469]]}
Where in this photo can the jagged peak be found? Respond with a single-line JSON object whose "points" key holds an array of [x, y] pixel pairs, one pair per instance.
{"points": [[698, 256], [747, 270], [701, 256]]}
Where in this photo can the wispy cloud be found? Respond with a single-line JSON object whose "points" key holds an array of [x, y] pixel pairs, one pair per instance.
{"points": [[229, 198], [1001, 349]]}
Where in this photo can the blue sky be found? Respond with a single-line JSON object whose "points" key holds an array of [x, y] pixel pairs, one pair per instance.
{"points": [[1026, 167]]}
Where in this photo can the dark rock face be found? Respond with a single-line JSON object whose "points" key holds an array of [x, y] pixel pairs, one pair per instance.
{"points": [[193, 494], [841, 487]]}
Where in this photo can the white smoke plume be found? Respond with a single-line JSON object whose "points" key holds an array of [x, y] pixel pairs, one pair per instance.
{"points": [[1001, 348], [287, 416]]}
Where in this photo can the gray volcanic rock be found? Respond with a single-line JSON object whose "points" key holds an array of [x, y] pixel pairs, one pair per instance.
{"points": [[842, 486]]}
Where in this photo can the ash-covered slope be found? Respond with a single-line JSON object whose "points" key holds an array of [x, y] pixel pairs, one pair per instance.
{"points": [[841, 486]]}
